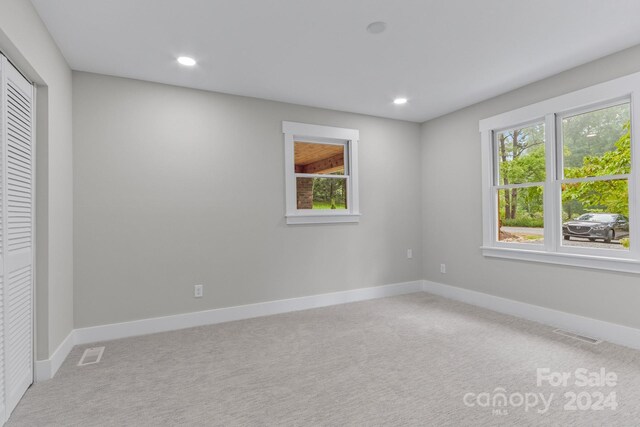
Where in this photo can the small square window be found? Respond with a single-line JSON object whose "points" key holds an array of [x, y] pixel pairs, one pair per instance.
{"points": [[321, 174], [328, 191]]}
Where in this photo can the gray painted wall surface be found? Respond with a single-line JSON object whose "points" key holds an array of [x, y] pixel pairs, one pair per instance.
{"points": [[452, 219], [175, 187]]}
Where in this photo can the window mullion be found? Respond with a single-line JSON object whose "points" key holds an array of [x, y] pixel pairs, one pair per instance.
{"points": [[320, 175], [523, 185], [489, 200], [634, 178], [558, 173], [595, 178], [290, 179], [552, 210]]}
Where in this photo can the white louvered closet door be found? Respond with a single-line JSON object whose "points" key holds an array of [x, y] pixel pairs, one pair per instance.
{"points": [[3, 125], [16, 242]]}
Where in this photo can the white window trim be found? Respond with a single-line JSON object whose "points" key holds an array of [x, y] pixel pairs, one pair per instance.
{"points": [[548, 111], [323, 134]]}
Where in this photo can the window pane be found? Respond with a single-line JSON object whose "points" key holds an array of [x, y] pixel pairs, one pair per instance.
{"points": [[520, 215], [597, 143], [319, 158], [321, 193], [595, 214], [520, 154]]}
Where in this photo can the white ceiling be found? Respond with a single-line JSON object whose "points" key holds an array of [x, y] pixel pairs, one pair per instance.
{"points": [[441, 54]]}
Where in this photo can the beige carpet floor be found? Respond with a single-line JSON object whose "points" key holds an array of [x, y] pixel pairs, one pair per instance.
{"points": [[406, 360]]}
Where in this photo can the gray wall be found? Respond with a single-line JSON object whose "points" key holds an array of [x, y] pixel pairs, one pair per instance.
{"points": [[175, 187], [26, 41], [452, 222]]}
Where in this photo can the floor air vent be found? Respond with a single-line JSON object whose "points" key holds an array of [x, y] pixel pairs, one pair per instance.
{"points": [[91, 355], [577, 337]]}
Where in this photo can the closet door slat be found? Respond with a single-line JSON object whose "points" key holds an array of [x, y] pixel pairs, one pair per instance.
{"points": [[16, 235]]}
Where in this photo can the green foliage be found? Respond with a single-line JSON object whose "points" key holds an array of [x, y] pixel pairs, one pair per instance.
{"points": [[533, 237], [625, 242], [596, 143], [327, 205], [530, 201], [521, 160], [592, 134], [525, 168], [521, 155], [610, 196], [331, 192], [614, 162], [529, 207], [523, 222]]}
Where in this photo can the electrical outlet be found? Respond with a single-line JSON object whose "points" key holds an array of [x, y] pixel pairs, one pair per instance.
{"points": [[197, 291], [443, 268], [409, 253]]}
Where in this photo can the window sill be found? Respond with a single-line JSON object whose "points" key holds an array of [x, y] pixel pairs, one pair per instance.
{"points": [[573, 260], [317, 218]]}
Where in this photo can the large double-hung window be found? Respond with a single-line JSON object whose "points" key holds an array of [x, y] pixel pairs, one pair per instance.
{"points": [[560, 179]]}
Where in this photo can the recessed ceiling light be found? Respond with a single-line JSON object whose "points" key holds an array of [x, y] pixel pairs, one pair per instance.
{"points": [[185, 60], [400, 101], [377, 27]]}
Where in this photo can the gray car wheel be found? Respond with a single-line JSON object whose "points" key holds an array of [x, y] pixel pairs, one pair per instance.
{"points": [[609, 237]]}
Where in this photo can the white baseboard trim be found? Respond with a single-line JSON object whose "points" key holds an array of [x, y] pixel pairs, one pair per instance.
{"points": [[46, 369], [618, 334], [220, 315], [611, 332]]}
